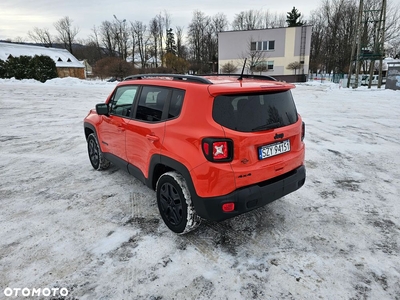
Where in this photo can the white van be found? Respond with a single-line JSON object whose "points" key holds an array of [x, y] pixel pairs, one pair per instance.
{"points": [[375, 78]]}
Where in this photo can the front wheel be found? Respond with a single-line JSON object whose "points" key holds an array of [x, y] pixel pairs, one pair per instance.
{"points": [[95, 155], [175, 204]]}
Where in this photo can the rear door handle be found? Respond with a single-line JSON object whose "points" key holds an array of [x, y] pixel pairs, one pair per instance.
{"points": [[121, 129], [152, 138]]}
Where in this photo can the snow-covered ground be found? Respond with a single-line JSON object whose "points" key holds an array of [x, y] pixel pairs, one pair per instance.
{"points": [[99, 235]]}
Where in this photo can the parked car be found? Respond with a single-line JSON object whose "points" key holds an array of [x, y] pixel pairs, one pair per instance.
{"points": [[212, 147], [375, 80]]}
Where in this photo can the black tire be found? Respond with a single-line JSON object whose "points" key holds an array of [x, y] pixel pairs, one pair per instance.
{"points": [[175, 204], [95, 155]]}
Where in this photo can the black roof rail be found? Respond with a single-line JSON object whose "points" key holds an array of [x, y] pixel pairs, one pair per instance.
{"points": [[189, 78], [240, 76]]}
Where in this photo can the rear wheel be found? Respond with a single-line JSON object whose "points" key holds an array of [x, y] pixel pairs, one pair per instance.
{"points": [[95, 155], [175, 204]]}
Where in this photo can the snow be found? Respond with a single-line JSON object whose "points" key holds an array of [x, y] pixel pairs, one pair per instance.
{"points": [[99, 234], [61, 57]]}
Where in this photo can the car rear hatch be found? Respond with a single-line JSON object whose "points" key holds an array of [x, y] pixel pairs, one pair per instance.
{"points": [[266, 132]]}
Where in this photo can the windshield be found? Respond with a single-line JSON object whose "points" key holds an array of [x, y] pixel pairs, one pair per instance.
{"points": [[255, 112]]}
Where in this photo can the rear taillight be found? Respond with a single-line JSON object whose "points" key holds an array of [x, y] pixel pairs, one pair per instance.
{"points": [[303, 131], [218, 149]]}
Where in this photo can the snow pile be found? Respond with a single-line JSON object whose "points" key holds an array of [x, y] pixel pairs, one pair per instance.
{"points": [[99, 234]]}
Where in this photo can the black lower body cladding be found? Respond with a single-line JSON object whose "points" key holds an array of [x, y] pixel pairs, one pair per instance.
{"points": [[250, 197]]}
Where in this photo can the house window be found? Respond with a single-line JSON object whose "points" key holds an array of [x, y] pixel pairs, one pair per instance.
{"points": [[271, 45], [262, 46], [264, 66]]}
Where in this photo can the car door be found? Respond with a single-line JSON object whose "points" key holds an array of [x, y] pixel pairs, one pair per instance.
{"points": [[113, 128], [145, 131]]}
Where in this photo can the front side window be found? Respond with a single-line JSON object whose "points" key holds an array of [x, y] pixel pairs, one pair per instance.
{"points": [[255, 112], [121, 103]]}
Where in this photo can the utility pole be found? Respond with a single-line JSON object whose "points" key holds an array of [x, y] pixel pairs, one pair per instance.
{"points": [[382, 41], [369, 40], [359, 38], [355, 47]]}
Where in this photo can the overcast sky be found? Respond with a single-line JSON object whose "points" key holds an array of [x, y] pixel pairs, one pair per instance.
{"points": [[17, 17]]}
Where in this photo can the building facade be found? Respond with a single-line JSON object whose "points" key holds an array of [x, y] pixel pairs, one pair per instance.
{"points": [[280, 52]]}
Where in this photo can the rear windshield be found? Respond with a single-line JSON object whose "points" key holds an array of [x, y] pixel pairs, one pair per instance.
{"points": [[255, 112]]}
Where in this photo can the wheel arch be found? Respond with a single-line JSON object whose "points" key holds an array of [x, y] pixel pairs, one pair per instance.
{"points": [[89, 128], [160, 164]]}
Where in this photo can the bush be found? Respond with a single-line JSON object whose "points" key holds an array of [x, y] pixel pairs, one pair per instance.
{"points": [[2, 69], [40, 68], [44, 68], [112, 67]]}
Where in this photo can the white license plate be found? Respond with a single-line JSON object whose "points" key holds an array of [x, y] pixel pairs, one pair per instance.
{"points": [[273, 149]]}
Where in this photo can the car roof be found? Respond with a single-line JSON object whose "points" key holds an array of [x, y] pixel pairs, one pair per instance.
{"points": [[216, 83]]}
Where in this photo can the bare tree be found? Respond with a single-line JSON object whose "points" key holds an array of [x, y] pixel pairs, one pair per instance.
{"points": [[67, 33], [253, 58], [248, 20], [94, 41], [41, 36], [197, 29], [154, 33], [294, 66], [164, 21], [142, 40], [107, 35], [180, 48]]}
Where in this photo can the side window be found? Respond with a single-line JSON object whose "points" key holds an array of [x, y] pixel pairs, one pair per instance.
{"points": [[121, 104], [151, 103], [176, 103]]}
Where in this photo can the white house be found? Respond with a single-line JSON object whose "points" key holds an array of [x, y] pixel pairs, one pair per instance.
{"points": [[66, 63]]}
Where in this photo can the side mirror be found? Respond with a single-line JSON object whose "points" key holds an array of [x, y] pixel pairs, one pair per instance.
{"points": [[102, 109]]}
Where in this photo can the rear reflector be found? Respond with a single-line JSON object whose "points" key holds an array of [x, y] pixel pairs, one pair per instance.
{"points": [[206, 149], [228, 207]]}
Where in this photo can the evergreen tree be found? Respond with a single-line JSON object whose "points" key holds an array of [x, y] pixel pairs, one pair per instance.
{"points": [[40, 68], [171, 45], [293, 18], [43, 68], [3, 69], [18, 67]]}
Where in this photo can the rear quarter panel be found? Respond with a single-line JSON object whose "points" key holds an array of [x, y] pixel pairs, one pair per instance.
{"points": [[182, 142]]}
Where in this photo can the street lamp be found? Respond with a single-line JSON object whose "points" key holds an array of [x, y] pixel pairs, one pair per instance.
{"points": [[120, 36]]}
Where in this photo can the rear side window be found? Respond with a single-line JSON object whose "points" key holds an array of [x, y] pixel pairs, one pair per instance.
{"points": [[151, 103], [159, 103], [255, 112], [176, 103]]}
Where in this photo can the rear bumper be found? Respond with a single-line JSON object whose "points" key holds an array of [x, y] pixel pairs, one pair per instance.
{"points": [[250, 197]]}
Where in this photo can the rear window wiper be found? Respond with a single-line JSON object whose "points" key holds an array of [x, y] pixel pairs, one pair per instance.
{"points": [[267, 126]]}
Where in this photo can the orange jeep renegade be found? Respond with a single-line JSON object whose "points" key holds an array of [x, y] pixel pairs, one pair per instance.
{"points": [[212, 146]]}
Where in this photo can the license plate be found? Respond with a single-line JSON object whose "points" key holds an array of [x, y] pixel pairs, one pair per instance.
{"points": [[273, 149]]}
